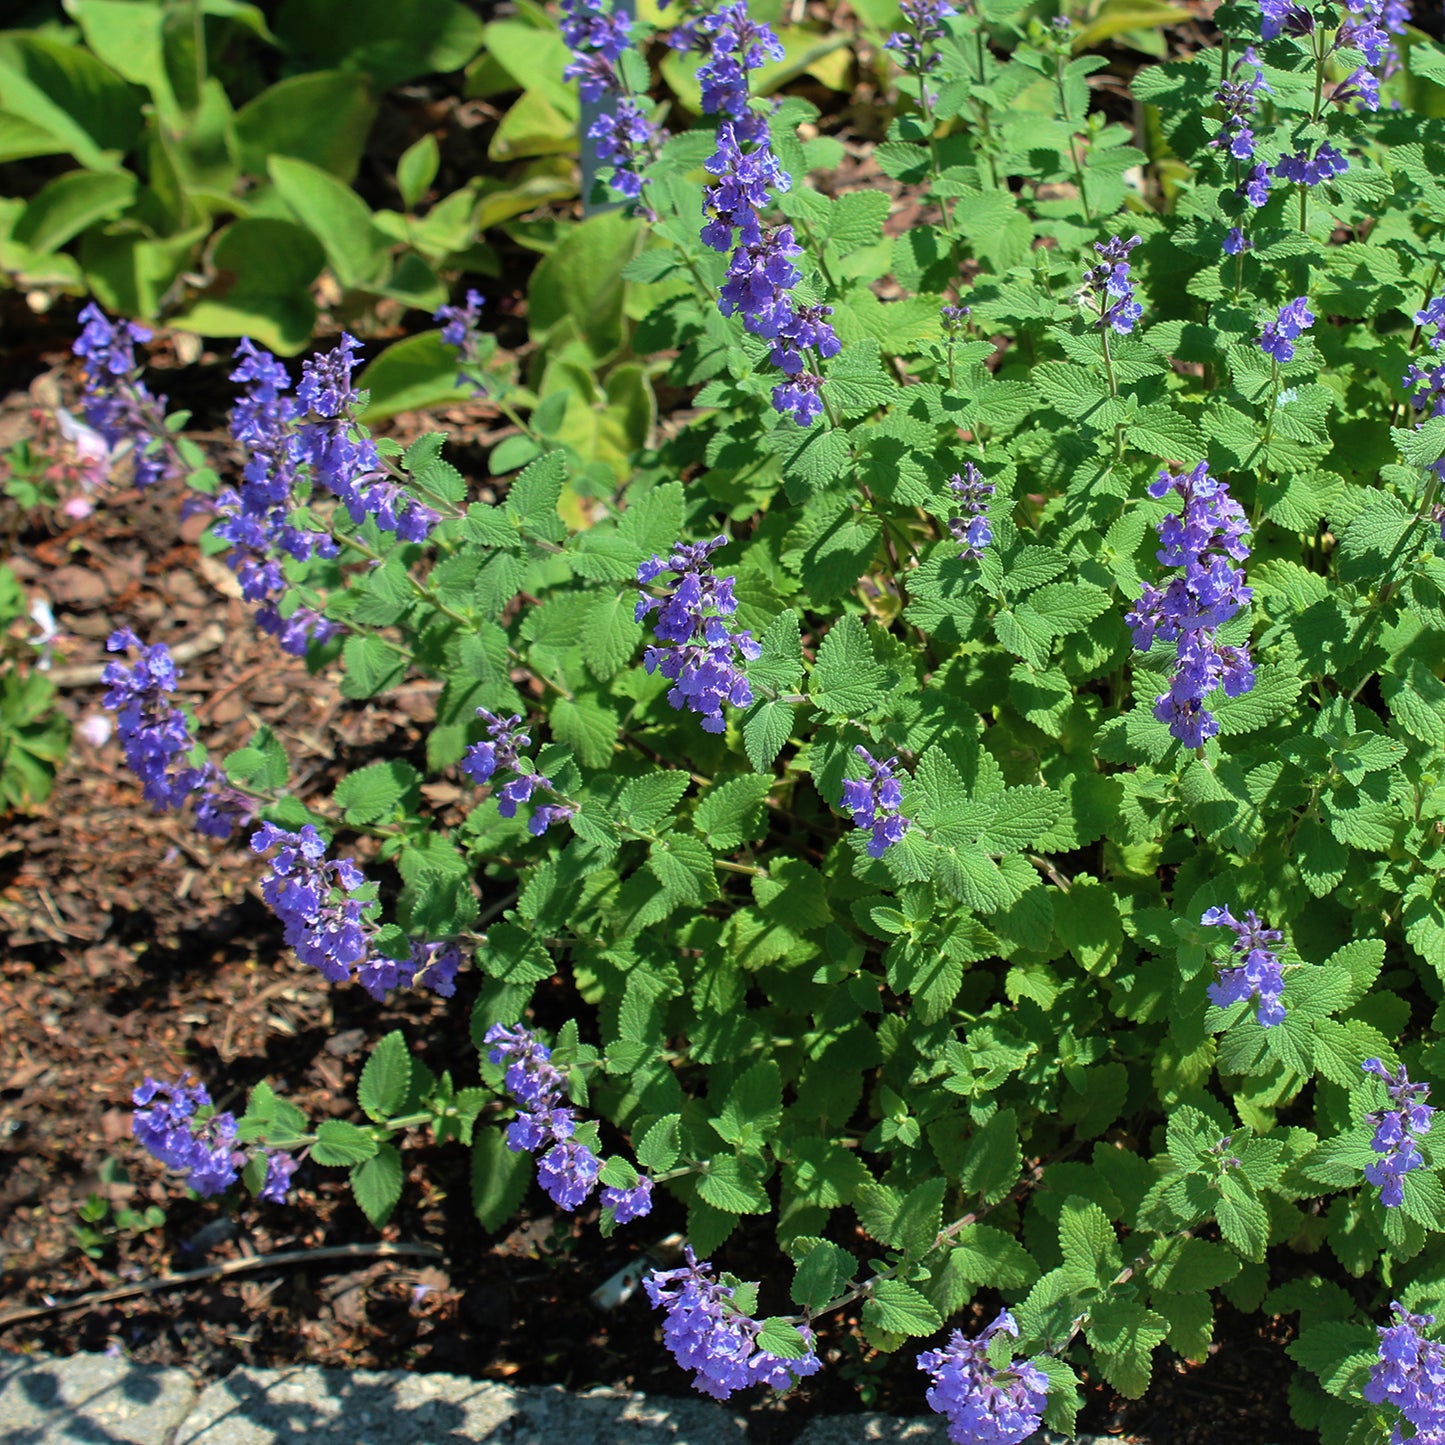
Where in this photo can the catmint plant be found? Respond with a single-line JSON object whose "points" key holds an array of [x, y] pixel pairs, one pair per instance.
{"points": [[960, 1052]]}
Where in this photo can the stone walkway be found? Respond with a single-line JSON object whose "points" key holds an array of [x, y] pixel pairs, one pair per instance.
{"points": [[98, 1400]]}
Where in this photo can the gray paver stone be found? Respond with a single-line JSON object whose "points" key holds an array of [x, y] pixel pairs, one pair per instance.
{"points": [[90, 1400], [341, 1407]]}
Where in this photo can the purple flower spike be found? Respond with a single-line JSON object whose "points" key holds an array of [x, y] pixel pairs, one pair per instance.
{"points": [[1277, 338], [984, 1405], [1203, 540], [1397, 1131], [875, 801], [1238, 98], [710, 1336], [1257, 974], [117, 403], [568, 1173], [500, 752], [1108, 288], [702, 656], [971, 532], [1410, 1375], [917, 47]]}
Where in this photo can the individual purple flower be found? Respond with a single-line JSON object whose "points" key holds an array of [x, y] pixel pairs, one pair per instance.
{"points": [[701, 656], [568, 1173], [1433, 314], [1277, 337], [985, 1405], [972, 532], [1397, 1132], [1360, 85], [629, 1204], [875, 801], [1256, 187], [1256, 974], [917, 47], [1369, 28], [1108, 288], [799, 395], [708, 1334], [1284, 17], [177, 1124], [117, 404], [1236, 241], [1304, 169], [1204, 539], [1410, 1376], [280, 1166]]}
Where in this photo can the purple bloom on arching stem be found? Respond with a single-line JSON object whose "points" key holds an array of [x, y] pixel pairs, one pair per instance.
{"points": [[462, 330], [917, 47], [568, 1173], [1257, 973], [701, 655], [1410, 1375], [624, 137], [985, 1405], [499, 752], [538, 1089], [1238, 99], [117, 405], [1277, 337], [629, 1204], [1433, 314], [709, 1335], [280, 1166], [1304, 169], [1205, 539], [972, 532], [1397, 1131], [875, 802], [176, 1124], [1284, 17], [1236, 241], [1108, 287]]}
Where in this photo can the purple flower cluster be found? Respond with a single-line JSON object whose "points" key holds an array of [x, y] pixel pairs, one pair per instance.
{"points": [[1433, 314], [708, 1334], [1410, 1375], [875, 801], [177, 1125], [1108, 287], [1257, 974], [327, 913], [500, 751], [1277, 337], [971, 532], [1239, 99], [155, 737], [256, 517], [1425, 385], [1302, 168], [625, 137], [1204, 542], [746, 175], [701, 656], [1397, 1132], [345, 462], [568, 1171], [984, 1405], [917, 48], [117, 403]]}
